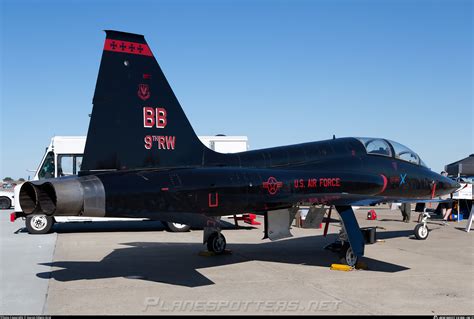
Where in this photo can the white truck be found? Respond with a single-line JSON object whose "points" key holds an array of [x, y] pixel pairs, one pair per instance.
{"points": [[6, 198], [63, 157]]}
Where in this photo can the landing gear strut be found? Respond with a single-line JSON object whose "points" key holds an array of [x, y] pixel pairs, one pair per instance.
{"points": [[350, 236]]}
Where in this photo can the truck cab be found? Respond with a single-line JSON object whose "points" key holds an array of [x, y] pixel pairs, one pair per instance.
{"points": [[63, 157]]}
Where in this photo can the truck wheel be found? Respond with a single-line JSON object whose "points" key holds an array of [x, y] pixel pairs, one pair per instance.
{"points": [[176, 227], [5, 202], [39, 224]]}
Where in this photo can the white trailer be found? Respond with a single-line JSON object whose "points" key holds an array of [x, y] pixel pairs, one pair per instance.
{"points": [[63, 157]]}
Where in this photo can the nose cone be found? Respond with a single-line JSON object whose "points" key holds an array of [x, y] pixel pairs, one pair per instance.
{"points": [[446, 185]]}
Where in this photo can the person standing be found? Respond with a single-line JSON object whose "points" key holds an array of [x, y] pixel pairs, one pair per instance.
{"points": [[406, 212], [446, 207]]}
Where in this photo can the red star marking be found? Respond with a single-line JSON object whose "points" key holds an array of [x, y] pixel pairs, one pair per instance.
{"points": [[272, 185]]}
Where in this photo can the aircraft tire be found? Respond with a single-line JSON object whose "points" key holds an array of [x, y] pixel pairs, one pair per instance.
{"points": [[216, 243], [348, 256], [421, 232], [39, 224], [5, 202], [176, 227]]}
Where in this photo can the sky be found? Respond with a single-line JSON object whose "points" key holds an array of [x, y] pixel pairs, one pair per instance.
{"points": [[279, 72]]}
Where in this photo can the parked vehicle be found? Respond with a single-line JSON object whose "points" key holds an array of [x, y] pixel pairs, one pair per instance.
{"points": [[6, 199]]}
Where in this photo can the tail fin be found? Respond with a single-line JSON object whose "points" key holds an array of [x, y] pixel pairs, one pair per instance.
{"points": [[137, 121]]}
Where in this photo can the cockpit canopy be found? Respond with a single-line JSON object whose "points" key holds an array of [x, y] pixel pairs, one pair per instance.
{"points": [[378, 146]]}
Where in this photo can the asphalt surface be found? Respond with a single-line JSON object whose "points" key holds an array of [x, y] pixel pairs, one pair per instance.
{"points": [[21, 291], [138, 268]]}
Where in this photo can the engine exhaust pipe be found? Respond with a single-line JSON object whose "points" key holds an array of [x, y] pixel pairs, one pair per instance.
{"points": [[29, 198], [67, 196], [47, 198], [72, 196]]}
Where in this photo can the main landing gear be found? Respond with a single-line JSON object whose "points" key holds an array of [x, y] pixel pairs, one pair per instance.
{"points": [[345, 252], [350, 245], [347, 255], [216, 243], [213, 237]]}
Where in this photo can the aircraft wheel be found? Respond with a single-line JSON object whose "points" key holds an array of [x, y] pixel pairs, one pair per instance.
{"points": [[39, 224], [348, 255], [5, 202], [216, 243], [176, 227], [421, 232]]}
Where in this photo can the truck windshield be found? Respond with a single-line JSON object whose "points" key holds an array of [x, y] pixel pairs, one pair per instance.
{"points": [[77, 166], [48, 168], [69, 164]]}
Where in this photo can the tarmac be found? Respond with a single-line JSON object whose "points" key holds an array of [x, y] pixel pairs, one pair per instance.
{"points": [[139, 268]]}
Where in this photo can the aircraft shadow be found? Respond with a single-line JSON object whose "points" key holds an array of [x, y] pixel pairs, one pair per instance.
{"points": [[122, 226], [391, 220], [108, 226], [404, 233], [395, 234], [179, 263]]}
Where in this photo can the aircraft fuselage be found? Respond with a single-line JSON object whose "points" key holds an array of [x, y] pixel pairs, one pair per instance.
{"points": [[269, 179]]}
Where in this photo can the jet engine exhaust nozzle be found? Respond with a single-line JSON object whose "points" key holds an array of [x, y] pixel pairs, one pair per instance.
{"points": [[64, 197], [29, 198]]}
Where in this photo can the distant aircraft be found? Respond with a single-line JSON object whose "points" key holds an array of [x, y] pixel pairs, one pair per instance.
{"points": [[143, 159]]}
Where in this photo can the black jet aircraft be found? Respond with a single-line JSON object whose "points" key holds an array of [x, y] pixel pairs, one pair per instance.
{"points": [[143, 159]]}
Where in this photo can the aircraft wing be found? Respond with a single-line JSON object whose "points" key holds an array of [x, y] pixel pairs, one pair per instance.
{"points": [[344, 199]]}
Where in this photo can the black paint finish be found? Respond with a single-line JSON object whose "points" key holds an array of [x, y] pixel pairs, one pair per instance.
{"points": [[173, 176]]}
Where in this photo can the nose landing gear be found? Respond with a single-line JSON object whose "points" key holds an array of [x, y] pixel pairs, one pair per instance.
{"points": [[421, 229]]}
